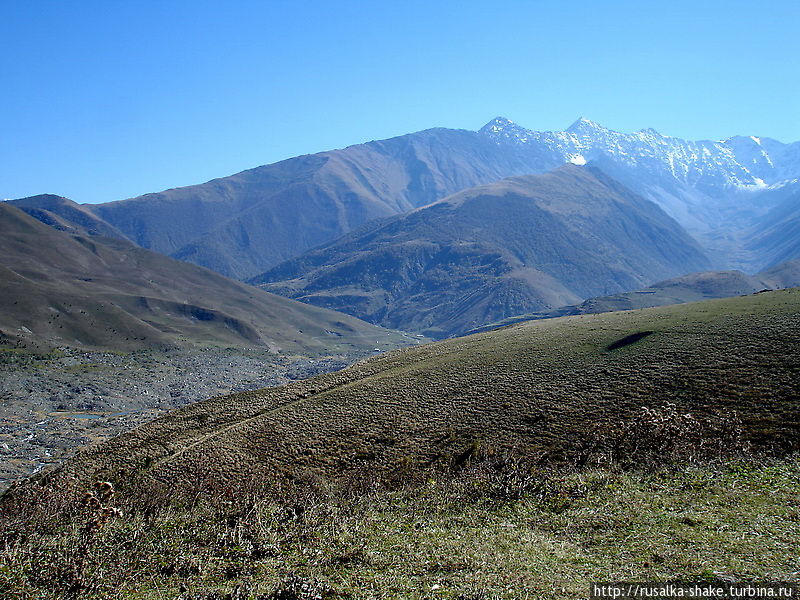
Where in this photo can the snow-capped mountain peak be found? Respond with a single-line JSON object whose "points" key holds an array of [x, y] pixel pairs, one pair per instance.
{"points": [[583, 125], [739, 162], [506, 129], [693, 181], [498, 123]]}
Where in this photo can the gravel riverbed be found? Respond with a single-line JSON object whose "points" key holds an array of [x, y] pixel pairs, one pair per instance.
{"points": [[52, 405]]}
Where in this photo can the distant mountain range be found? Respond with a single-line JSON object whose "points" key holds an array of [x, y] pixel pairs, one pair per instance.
{"points": [[509, 247], [709, 166], [694, 182], [247, 223], [731, 204], [64, 287]]}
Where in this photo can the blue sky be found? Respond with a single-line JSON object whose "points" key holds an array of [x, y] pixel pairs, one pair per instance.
{"points": [[106, 100]]}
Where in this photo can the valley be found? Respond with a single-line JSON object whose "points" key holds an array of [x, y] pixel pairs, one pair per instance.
{"points": [[529, 460], [52, 405], [98, 336], [433, 234], [287, 313]]}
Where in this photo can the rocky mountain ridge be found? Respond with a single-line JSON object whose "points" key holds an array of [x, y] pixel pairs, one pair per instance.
{"points": [[738, 162], [715, 189], [247, 223]]}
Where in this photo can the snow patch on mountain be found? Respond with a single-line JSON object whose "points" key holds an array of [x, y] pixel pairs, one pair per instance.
{"points": [[739, 162], [713, 188]]}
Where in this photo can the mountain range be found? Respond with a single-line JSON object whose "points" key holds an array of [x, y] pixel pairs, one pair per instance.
{"points": [[245, 224], [348, 228], [707, 186], [444, 233], [710, 166], [520, 244]]}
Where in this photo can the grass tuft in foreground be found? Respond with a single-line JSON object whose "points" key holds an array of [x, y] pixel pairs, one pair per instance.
{"points": [[492, 527]]}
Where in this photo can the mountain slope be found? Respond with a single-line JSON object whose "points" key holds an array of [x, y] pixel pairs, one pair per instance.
{"points": [[520, 244], [61, 288], [537, 388], [243, 224], [776, 237]]}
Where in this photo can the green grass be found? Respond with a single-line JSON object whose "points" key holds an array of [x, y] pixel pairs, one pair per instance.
{"points": [[468, 535], [15, 356]]}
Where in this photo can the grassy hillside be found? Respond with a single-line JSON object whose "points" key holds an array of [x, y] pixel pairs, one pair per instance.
{"points": [[546, 389], [524, 462], [520, 244], [64, 288]]}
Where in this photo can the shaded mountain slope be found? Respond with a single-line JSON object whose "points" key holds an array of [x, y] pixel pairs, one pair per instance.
{"points": [[247, 223], [243, 224], [687, 288], [517, 245], [62, 288], [776, 237], [538, 387]]}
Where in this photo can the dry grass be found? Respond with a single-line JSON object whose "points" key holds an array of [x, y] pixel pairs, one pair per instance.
{"points": [[519, 463], [544, 388]]}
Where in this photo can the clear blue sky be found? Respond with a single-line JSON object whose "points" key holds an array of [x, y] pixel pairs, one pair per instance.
{"points": [[106, 100]]}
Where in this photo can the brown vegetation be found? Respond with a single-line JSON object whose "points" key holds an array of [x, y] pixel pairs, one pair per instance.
{"points": [[542, 388]]}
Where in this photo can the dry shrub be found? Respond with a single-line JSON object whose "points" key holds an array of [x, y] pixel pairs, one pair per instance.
{"points": [[504, 477], [661, 436], [35, 512]]}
